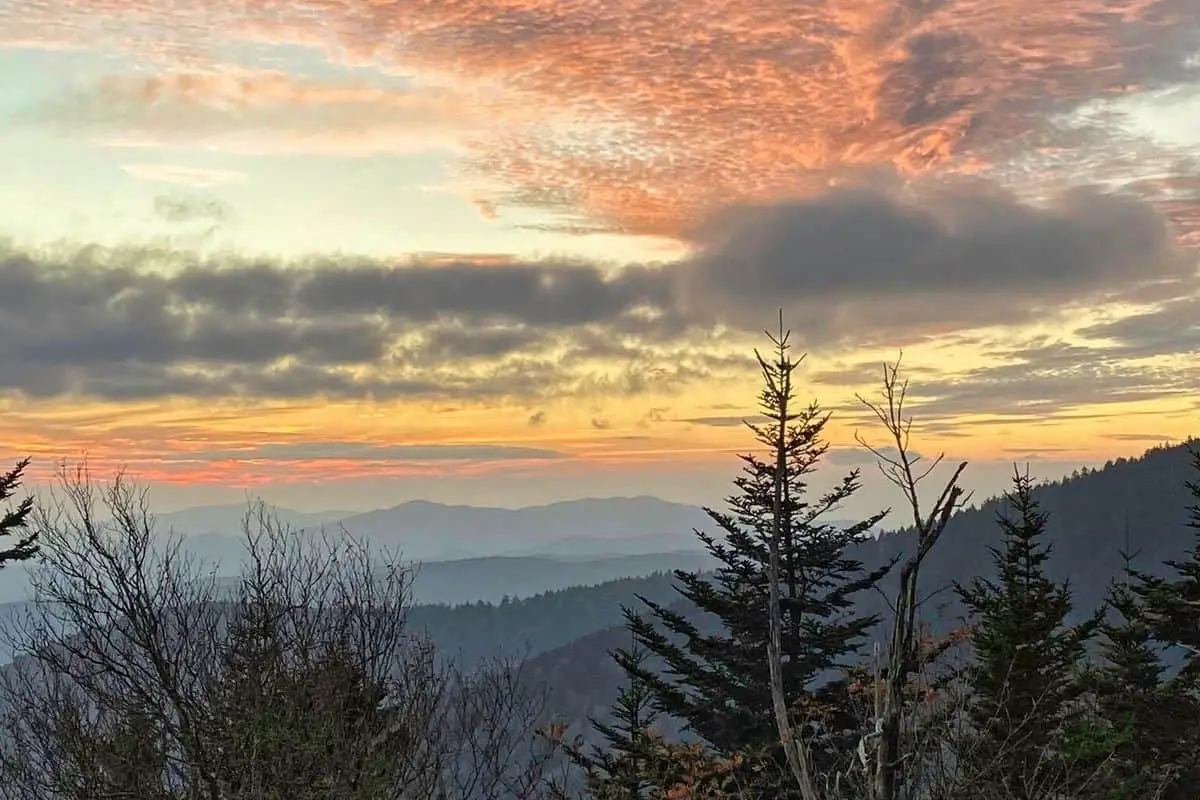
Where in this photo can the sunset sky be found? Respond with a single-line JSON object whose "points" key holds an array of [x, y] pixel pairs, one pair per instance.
{"points": [[346, 253]]}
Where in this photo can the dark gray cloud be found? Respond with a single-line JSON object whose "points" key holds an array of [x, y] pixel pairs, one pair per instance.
{"points": [[143, 323], [850, 268], [1173, 328], [537, 419], [851, 375], [871, 260], [359, 451], [1046, 377], [458, 342], [543, 294]]}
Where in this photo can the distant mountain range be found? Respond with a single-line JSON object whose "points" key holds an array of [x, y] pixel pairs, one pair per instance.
{"points": [[470, 553], [227, 519], [425, 531], [1131, 504]]}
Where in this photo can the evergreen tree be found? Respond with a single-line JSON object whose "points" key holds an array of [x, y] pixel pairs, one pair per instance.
{"points": [[719, 683], [1025, 678], [1162, 613], [1172, 606], [16, 519], [623, 768], [296, 721], [1142, 716]]}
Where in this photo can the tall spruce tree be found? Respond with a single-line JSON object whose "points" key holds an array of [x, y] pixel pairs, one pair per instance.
{"points": [[1025, 677], [719, 682]]}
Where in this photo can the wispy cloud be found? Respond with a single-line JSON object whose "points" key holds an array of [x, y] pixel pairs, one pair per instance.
{"points": [[677, 107], [360, 451], [199, 177], [255, 111]]}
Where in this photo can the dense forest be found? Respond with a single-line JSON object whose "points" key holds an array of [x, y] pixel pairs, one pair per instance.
{"points": [[1043, 645]]}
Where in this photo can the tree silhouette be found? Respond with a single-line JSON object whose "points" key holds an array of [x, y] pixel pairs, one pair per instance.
{"points": [[16, 520]]}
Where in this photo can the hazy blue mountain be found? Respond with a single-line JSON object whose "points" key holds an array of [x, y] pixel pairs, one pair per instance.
{"points": [[592, 529], [1139, 504], [493, 579], [507, 623], [599, 547], [227, 519], [425, 531]]}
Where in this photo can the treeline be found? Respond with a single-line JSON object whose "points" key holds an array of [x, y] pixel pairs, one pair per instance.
{"points": [[525, 627], [138, 676]]}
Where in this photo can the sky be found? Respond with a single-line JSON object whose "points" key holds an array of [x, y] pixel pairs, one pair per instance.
{"points": [[346, 253]]}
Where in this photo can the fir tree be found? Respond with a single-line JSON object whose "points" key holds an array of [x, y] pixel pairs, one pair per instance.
{"points": [[1172, 606], [719, 683], [293, 720], [1142, 716], [623, 767], [16, 519], [1024, 681], [1162, 613]]}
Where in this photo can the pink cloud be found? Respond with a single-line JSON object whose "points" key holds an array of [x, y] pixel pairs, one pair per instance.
{"points": [[679, 106]]}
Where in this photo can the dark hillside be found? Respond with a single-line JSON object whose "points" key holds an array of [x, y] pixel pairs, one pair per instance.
{"points": [[1091, 517], [1136, 504], [533, 625]]}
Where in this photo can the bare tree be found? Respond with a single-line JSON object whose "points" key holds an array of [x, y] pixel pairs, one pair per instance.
{"points": [[140, 674], [902, 468]]}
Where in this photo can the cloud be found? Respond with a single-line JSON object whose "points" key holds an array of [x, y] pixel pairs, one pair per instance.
{"points": [[486, 207], [537, 419], [849, 375], [358, 451], [653, 416], [653, 114], [727, 421], [142, 322], [1141, 437], [182, 208], [860, 265], [871, 260], [768, 99], [460, 342], [198, 177], [256, 111], [1172, 328], [1046, 377]]}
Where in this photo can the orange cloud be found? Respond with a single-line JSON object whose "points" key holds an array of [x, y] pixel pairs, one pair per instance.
{"points": [[680, 106]]}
